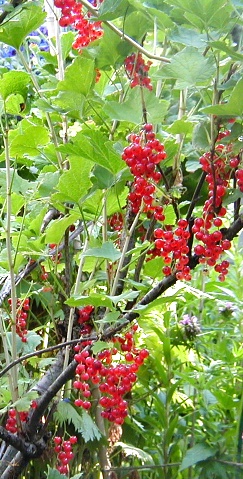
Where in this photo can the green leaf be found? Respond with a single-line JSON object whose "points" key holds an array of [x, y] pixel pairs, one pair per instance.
{"points": [[189, 68], [28, 139], [181, 126], [131, 109], [222, 47], [124, 296], [199, 452], [57, 228], [14, 82], [95, 299], [106, 251], [111, 9], [135, 451], [75, 182], [234, 107], [82, 423], [189, 37], [89, 430], [67, 39], [28, 18], [79, 76], [205, 13], [153, 268], [70, 102], [55, 474], [100, 346]]}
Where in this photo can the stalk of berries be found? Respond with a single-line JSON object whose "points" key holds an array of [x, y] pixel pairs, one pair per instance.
{"points": [[21, 317], [11, 423], [142, 156], [173, 248], [64, 450], [137, 70], [72, 15], [114, 377], [206, 229]]}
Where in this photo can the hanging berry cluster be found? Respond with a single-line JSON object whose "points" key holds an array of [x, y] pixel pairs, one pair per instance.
{"points": [[173, 248], [64, 450], [11, 423], [137, 71], [114, 371], [72, 15], [21, 317], [220, 166], [142, 156], [84, 319]]}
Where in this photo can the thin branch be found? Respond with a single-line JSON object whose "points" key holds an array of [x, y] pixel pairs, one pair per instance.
{"points": [[123, 36]]}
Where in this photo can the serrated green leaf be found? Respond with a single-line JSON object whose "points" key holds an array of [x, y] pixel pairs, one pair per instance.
{"points": [[75, 182], [89, 430], [189, 68], [28, 18], [13, 83], [189, 37], [27, 140], [106, 251], [199, 452], [79, 76], [131, 109]]}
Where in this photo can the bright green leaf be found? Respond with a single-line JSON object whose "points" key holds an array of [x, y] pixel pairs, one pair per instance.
{"points": [[79, 76], [188, 67], [100, 346], [107, 251], [13, 83], [24, 21], [57, 228], [75, 182]]}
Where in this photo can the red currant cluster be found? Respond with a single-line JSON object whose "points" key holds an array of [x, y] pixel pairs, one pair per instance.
{"points": [[142, 156], [137, 70], [218, 167], [21, 317], [116, 222], [64, 450], [72, 15], [11, 423], [114, 380], [84, 318], [172, 246]]}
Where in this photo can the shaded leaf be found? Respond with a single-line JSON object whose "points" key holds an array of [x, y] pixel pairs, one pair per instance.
{"points": [[199, 452]]}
